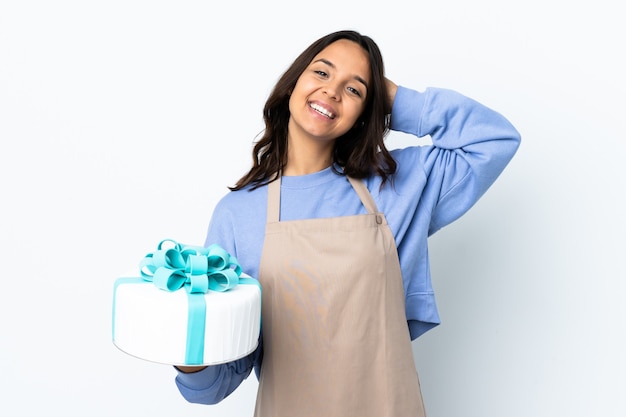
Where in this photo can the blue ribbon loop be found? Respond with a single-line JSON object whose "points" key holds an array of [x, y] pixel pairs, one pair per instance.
{"points": [[196, 269]]}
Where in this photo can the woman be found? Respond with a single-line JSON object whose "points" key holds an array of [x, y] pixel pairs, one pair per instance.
{"points": [[335, 227]]}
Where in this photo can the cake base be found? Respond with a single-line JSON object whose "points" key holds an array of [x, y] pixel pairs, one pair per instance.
{"points": [[152, 324]]}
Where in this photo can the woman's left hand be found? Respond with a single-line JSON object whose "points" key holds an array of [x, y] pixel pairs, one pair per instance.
{"points": [[391, 93]]}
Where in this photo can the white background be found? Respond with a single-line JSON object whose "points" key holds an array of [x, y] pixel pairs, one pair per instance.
{"points": [[122, 123]]}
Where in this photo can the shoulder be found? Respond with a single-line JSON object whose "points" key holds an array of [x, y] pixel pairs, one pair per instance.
{"points": [[241, 205], [246, 197], [237, 214], [411, 161]]}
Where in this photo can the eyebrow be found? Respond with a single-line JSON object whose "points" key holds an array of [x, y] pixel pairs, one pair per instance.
{"points": [[330, 64]]}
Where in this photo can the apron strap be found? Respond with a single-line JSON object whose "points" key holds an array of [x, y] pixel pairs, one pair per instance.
{"points": [[364, 195], [273, 198], [273, 201]]}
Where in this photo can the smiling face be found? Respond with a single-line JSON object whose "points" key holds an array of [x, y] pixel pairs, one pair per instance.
{"points": [[330, 94]]}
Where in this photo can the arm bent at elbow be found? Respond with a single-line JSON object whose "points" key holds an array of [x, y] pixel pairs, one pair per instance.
{"points": [[211, 384]]}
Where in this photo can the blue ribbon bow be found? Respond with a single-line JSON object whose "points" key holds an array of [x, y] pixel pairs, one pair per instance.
{"points": [[196, 269]]}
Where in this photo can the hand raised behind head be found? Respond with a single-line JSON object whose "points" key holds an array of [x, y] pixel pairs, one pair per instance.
{"points": [[391, 93]]}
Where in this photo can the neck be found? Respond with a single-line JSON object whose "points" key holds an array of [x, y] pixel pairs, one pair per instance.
{"points": [[307, 158]]}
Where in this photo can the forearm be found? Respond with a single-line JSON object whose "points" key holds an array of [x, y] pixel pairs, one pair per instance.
{"points": [[211, 384], [452, 120]]}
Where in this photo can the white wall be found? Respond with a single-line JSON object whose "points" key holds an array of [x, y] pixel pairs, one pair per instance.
{"points": [[122, 122]]}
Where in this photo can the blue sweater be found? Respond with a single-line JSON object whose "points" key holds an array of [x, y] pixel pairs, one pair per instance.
{"points": [[433, 186]]}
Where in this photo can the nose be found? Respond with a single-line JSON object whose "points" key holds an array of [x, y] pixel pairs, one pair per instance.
{"points": [[330, 89]]}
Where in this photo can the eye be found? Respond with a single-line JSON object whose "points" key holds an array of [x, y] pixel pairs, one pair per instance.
{"points": [[321, 73], [354, 91]]}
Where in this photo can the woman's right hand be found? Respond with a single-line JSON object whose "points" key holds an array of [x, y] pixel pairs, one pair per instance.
{"points": [[189, 369]]}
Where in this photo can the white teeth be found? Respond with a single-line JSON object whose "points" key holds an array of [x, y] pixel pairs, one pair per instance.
{"points": [[322, 110]]}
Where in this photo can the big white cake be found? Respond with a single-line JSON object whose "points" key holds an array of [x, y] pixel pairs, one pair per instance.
{"points": [[177, 326]]}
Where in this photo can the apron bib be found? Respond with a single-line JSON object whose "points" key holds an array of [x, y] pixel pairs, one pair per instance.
{"points": [[335, 337]]}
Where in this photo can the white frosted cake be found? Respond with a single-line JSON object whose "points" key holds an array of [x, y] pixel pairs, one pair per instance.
{"points": [[177, 326]]}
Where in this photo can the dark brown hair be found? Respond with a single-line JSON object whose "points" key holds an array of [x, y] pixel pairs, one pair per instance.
{"points": [[360, 152]]}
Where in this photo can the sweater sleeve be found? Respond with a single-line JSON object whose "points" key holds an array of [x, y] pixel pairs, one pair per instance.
{"points": [[471, 146], [214, 383]]}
